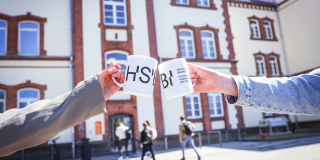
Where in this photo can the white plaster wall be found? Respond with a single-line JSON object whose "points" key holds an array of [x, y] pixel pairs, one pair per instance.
{"points": [[233, 120], [92, 57], [301, 34], [305, 118], [140, 42], [245, 47], [172, 111], [57, 27], [198, 126], [251, 117], [145, 109], [56, 79], [168, 16], [217, 125], [91, 130]]}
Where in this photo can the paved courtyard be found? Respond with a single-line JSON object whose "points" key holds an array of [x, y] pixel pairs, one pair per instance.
{"points": [[294, 149]]}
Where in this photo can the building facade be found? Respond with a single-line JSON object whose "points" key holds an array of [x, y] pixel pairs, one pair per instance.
{"points": [[46, 48]]}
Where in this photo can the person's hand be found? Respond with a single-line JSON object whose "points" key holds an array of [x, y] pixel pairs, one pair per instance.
{"points": [[109, 88], [180, 140], [141, 146], [208, 80]]}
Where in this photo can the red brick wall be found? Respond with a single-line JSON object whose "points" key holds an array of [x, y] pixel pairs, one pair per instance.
{"points": [[77, 41], [118, 107], [154, 54], [13, 29]]}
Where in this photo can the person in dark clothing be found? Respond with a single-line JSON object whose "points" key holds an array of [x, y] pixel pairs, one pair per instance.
{"points": [[145, 144]]}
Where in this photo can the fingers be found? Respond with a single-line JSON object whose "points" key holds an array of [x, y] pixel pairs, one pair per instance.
{"points": [[194, 80], [119, 78], [191, 70]]}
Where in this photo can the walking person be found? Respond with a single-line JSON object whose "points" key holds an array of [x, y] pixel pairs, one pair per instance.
{"points": [[123, 141], [146, 141], [185, 136], [153, 134]]}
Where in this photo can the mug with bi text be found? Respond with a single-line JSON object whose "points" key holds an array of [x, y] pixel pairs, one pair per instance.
{"points": [[139, 76], [175, 78]]}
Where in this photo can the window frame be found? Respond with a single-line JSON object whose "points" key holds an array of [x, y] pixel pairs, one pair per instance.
{"points": [[38, 38], [181, 2], [114, 51], [28, 100], [266, 27], [191, 96], [275, 61], [5, 37], [202, 3], [213, 95], [4, 99], [258, 65], [114, 11], [186, 44], [258, 29], [207, 43]]}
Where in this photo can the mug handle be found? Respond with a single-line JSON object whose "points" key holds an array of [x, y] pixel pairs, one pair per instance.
{"points": [[117, 83]]}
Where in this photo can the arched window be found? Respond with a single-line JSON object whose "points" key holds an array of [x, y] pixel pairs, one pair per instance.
{"points": [[268, 29], [115, 12], [116, 57], [3, 37], [186, 44], [273, 66], [208, 45], [203, 3], [27, 96], [185, 2], [2, 101], [215, 104], [261, 65], [193, 106], [255, 28], [28, 38]]}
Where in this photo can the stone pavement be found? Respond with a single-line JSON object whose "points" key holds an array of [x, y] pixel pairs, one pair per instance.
{"points": [[294, 149]]}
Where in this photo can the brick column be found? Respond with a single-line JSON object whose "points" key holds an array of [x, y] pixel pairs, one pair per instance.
{"points": [[154, 54], [78, 56]]}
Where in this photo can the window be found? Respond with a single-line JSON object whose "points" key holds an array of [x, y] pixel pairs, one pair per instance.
{"points": [[2, 101], [27, 96], [3, 37], [115, 13], [255, 28], [215, 104], [28, 38], [261, 66], [203, 3], [186, 2], [193, 106], [268, 30], [186, 44], [208, 45], [116, 57], [273, 66]]}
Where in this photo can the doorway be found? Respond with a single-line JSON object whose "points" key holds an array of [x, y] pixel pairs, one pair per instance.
{"points": [[113, 123]]}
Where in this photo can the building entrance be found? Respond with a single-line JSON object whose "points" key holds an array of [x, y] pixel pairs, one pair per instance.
{"points": [[113, 124]]}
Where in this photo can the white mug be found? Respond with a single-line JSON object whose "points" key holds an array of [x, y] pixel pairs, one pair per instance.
{"points": [[175, 78], [139, 76]]}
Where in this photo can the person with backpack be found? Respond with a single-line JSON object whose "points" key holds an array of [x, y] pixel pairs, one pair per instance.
{"points": [[122, 132], [153, 134], [186, 132], [146, 141]]}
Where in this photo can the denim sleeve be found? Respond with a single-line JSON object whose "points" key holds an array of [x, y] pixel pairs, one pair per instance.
{"points": [[295, 95]]}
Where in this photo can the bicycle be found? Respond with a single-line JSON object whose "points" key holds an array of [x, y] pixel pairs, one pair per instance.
{"points": [[55, 151]]}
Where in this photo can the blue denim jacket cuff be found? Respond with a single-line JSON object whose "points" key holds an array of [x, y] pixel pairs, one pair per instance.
{"points": [[244, 92]]}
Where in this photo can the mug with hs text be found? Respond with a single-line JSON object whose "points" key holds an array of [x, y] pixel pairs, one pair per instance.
{"points": [[139, 76]]}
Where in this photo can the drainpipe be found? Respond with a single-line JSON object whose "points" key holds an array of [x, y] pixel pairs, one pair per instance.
{"points": [[160, 60], [71, 78], [284, 52]]}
